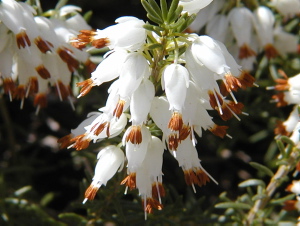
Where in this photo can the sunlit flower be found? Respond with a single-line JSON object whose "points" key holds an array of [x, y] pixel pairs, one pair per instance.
{"points": [[110, 160]]}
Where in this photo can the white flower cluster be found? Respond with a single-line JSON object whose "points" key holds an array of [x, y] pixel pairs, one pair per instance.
{"points": [[35, 51], [155, 88], [289, 94], [247, 32]]}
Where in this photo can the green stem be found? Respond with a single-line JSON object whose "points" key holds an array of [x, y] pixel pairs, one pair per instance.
{"points": [[275, 182]]}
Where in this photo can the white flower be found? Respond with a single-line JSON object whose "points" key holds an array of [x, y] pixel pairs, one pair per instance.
{"points": [[194, 6], [287, 7], [128, 33], [206, 14], [110, 159]]}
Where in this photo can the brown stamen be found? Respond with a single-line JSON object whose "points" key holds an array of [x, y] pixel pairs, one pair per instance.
{"points": [[158, 193], [22, 39], [214, 99], [270, 51], [19, 92], [246, 79], [175, 123], [86, 86], [184, 132], [9, 86], [130, 181], [232, 83], [119, 108], [100, 43], [63, 89], [280, 129], [173, 142], [152, 204], [42, 71], [65, 141], [66, 56], [246, 52], [219, 131], [135, 135], [44, 46], [40, 100], [91, 192], [33, 85], [290, 205], [80, 142], [280, 99]]}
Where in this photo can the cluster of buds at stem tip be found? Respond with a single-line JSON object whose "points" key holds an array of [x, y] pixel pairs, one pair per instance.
{"points": [[154, 84], [35, 51]]}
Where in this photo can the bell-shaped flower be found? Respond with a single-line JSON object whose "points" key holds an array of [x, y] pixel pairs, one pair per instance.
{"points": [[264, 20], [287, 8], [194, 6], [65, 141], [207, 14], [207, 51], [136, 153], [287, 127], [175, 82], [134, 69], [285, 42], [188, 160], [110, 160], [241, 20], [217, 27], [149, 177], [107, 70]]}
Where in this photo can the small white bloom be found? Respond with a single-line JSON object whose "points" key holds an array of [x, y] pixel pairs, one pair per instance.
{"points": [[175, 82], [110, 159], [194, 6]]}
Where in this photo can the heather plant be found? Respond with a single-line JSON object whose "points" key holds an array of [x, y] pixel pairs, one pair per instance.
{"points": [[198, 79]]}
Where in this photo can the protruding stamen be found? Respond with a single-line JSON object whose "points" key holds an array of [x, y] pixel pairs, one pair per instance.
{"points": [[79, 142], [246, 79], [40, 100], [130, 181], [86, 87], [90, 193], [279, 98], [219, 131], [65, 141], [158, 191], [215, 101], [151, 204], [9, 87], [33, 86]]}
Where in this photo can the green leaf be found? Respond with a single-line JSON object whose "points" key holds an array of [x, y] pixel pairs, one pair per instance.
{"points": [[171, 18], [226, 205], [155, 17], [283, 199], [281, 147], [73, 218], [155, 46], [252, 182], [262, 168], [178, 23], [187, 23], [287, 140], [156, 8], [259, 196], [164, 9], [88, 15]]}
